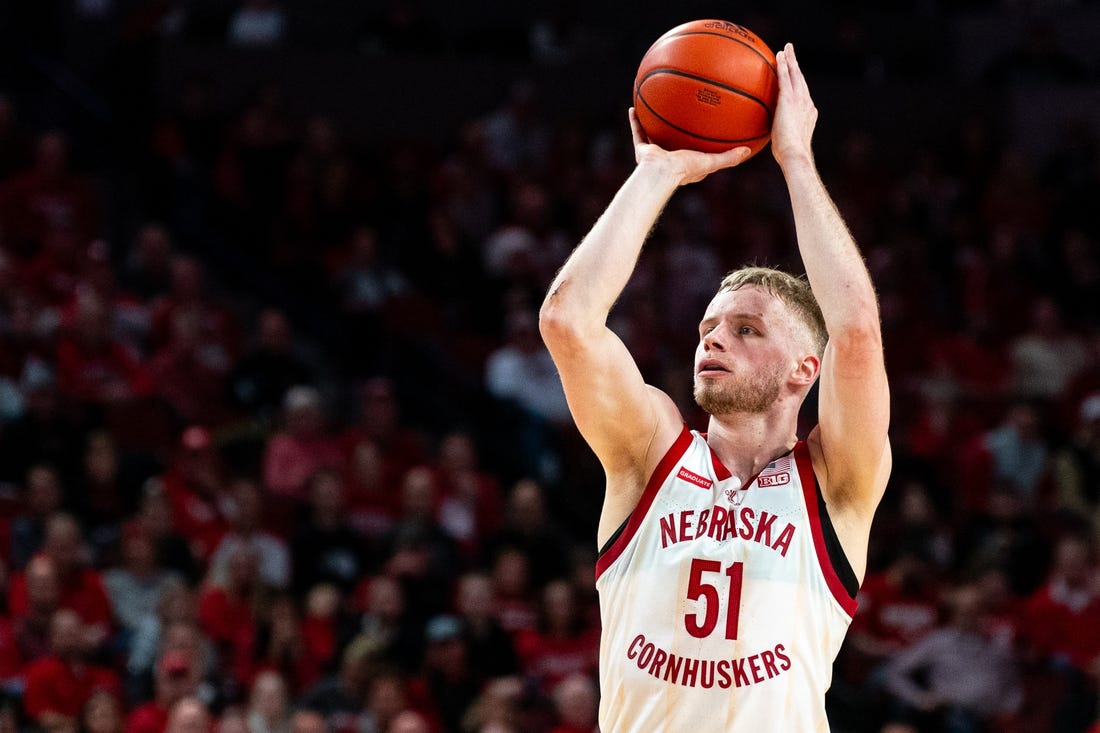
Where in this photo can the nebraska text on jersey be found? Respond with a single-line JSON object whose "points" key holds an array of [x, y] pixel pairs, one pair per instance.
{"points": [[721, 608]]}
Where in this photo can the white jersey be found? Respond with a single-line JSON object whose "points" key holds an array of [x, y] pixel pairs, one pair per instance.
{"points": [[721, 609]]}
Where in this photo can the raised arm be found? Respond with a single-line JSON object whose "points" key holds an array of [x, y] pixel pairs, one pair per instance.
{"points": [[626, 422], [850, 441]]}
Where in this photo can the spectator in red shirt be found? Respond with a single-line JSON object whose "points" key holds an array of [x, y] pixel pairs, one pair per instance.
{"points": [[48, 195], [897, 607], [43, 597], [42, 497], [81, 586], [189, 373], [373, 505], [513, 605], [470, 505], [301, 448], [195, 488], [282, 646], [60, 684], [227, 615], [94, 367], [380, 422], [177, 676], [217, 330], [562, 644], [1062, 617]]}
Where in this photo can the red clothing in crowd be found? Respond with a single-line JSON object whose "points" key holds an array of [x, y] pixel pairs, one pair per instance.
{"points": [[551, 659], [100, 374], [58, 687], [290, 462], [147, 718], [1064, 624], [193, 516], [35, 202], [231, 626], [82, 593], [894, 615], [11, 662]]}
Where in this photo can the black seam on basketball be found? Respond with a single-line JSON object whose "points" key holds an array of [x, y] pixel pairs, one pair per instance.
{"points": [[705, 80], [692, 134], [728, 38]]}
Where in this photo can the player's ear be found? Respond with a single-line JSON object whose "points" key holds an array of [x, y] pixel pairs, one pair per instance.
{"points": [[806, 370]]}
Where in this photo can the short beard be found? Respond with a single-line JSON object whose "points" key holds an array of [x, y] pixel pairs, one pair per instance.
{"points": [[753, 395]]}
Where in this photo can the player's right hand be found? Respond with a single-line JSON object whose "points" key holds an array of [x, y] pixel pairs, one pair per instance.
{"points": [[690, 166]]}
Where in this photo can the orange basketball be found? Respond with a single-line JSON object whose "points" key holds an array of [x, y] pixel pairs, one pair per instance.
{"points": [[707, 85]]}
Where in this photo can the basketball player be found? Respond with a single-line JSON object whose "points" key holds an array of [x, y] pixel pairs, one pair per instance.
{"points": [[729, 559]]}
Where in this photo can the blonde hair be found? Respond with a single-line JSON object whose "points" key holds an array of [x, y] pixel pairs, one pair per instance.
{"points": [[793, 291]]}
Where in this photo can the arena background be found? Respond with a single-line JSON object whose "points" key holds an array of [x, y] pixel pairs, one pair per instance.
{"points": [[273, 409]]}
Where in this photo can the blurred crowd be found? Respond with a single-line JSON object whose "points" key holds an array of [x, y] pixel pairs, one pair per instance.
{"points": [[281, 450]]}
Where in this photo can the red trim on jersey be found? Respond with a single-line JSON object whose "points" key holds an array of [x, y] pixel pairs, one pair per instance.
{"points": [[660, 474], [809, 494]]}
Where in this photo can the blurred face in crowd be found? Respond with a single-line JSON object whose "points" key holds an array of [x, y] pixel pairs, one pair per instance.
{"points": [[458, 453], [43, 589], [525, 505], [475, 596], [576, 702], [66, 634], [43, 491], [418, 494], [101, 459], [248, 504], [102, 713], [63, 543], [305, 420], [232, 721], [1073, 562], [244, 569], [308, 721], [385, 599], [409, 721], [327, 493], [189, 716], [511, 573], [139, 552], [559, 605], [274, 331], [378, 408], [53, 155], [386, 698], [269, 697]]}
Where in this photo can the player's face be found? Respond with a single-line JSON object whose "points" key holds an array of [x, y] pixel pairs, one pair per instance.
{"points": [[744, 352]]}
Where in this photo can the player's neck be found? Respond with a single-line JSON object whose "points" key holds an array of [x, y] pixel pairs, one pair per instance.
{"points": [[746, 443]]}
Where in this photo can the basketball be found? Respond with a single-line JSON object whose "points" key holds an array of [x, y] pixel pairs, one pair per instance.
{"points": [[707, 85]]}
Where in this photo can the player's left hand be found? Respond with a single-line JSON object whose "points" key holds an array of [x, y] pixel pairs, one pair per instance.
{"points": [[795, 113]]}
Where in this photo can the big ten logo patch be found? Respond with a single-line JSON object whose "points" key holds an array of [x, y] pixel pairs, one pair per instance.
{"points": [[774, 479]]}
